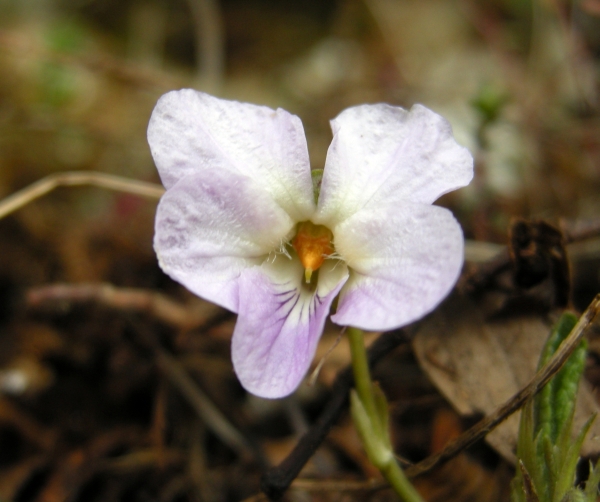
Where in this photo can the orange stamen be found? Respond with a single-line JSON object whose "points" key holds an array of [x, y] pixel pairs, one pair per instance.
{"points": [[313, 244]]}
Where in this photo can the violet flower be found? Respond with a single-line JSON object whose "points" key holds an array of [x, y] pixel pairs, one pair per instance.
{"points": [[239, 224]]}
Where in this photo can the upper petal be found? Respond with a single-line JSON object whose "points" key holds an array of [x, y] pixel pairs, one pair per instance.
{"points": [[382, 153], [190, 131], [404, 260], [212, 225], [280, 323]]}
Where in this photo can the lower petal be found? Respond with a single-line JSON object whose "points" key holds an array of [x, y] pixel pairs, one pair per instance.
{"points": [[279, 324], [404, 260]]}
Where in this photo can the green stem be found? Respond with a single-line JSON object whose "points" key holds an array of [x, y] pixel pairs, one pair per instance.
{"points": [[402, 486], [362, 376], [376, 434]]}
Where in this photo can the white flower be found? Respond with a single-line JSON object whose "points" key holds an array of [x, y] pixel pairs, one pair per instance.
{"points": [[239, 224]]}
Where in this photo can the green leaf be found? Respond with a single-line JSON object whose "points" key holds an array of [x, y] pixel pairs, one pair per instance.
{"points": [[565, 473], [545, 449], [544, 407], [564, 389]]}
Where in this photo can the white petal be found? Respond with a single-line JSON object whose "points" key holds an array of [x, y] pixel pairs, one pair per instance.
{"points": [[404, 260], [279, 324], [382, 153], [190, 131], [211, 226]]}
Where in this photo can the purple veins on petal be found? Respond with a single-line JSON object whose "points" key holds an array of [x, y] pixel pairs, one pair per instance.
{"points": [[273, 343]]}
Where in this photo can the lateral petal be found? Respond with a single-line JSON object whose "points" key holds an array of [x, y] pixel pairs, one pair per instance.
{"points": [[404, 260], [190, 131], [211, 226], [280, 323], [382, 153]]}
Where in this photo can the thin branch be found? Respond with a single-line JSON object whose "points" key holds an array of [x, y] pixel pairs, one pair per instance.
{"points": [[77, 178], [329, 485], [338, 485], [540, 379], [156, 305]]}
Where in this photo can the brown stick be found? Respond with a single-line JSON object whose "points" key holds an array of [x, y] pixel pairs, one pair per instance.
{"points": [[154, 304], [78, 178]]}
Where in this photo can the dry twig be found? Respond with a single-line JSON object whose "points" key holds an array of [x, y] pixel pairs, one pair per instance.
{"points": [[156, 305], [77, 178], [329, 485]]}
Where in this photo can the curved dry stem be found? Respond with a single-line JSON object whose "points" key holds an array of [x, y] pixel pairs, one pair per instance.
{"points": [[78, 178]]}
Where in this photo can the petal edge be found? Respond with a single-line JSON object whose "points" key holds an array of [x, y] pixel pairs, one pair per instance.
{"points": [[404, 260], [382, 154]]}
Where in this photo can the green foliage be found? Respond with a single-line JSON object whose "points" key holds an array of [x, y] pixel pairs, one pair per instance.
{"points": [[67, 37], [547, 454], [489, 102], [57, 79]]}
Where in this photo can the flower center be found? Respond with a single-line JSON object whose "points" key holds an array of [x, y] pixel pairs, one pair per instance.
{"points": [[313, 243]]}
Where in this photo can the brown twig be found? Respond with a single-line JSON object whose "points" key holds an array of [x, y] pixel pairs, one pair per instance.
{"points": [[329, 485], [78, 178], [540, 379], [338, 485], [154, 304]]}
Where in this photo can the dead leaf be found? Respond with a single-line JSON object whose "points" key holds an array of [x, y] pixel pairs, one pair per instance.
{"points": [[479, 363]]}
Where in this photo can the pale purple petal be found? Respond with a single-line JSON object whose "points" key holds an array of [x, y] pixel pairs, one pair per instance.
{"points": [[404, 260], [190, 131], [382, 154], [211, 226], [279, 324]]}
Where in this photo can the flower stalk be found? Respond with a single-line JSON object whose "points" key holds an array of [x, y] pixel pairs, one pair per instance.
{"points": [[370, 414]]}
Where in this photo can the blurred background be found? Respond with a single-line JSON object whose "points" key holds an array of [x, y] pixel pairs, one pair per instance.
{"points": [[80, 392]]}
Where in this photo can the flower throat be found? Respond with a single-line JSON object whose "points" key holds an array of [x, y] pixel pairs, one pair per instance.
{"points": [[313, 243]]}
